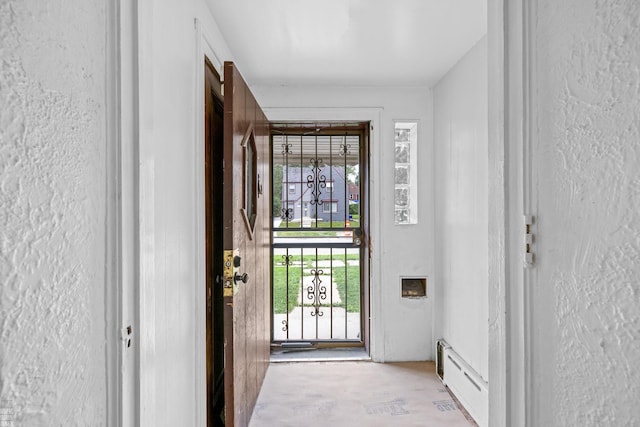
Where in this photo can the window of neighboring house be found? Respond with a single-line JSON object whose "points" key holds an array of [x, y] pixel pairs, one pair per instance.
{"points": [[329, 187], [329, 206], [292, 188]]}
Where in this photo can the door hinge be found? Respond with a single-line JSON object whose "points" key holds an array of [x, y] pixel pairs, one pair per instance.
{"points": [[529, 240], [126, 336]]}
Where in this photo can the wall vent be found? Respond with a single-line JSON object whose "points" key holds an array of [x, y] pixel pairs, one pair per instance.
{"points": [[414, 287]]}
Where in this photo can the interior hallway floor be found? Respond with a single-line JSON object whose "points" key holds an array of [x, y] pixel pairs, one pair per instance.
{"points": [[355, 393]]}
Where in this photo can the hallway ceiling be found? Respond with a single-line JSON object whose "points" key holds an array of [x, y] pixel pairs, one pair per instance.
{"points": [[349, 42]]}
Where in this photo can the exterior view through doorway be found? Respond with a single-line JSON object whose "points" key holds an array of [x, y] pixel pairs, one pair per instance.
{"points": [[320, 257]]}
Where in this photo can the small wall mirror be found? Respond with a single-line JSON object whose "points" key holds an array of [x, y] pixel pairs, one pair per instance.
{"points": [[250, 177]]}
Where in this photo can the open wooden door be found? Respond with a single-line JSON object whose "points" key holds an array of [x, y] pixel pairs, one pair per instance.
{"points": [[246, 267]]}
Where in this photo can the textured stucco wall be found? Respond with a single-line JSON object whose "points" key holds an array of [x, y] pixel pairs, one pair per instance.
{"points": [[52, 216], [460, 107], [586, 304]]}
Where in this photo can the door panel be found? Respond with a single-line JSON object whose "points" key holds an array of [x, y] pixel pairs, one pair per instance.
{"points": [[246, 250]]}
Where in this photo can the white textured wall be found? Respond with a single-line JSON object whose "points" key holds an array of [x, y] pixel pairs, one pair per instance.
{"points": [[586, 304], [461, 213], [52, 215], [401, 328]]}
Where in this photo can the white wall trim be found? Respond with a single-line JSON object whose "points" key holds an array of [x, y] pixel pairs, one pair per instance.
{"points": [[113, 256], [517, 336], [145, 212], [204, 48], [510, 130], [122, 207], [198, 156], [373, 115], [529, 201], [497, 280]]}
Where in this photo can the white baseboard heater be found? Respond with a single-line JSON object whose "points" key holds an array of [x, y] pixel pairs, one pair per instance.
{"points": [[465, 383]]}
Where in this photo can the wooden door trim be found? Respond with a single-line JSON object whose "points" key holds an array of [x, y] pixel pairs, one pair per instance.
{"points": [[212, 236], [228, 237]]}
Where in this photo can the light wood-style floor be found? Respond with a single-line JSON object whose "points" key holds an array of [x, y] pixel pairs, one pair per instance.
{"points": [[355, 393]]}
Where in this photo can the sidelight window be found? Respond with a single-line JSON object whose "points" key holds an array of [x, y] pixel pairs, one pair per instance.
{"points": [[405, 178]]}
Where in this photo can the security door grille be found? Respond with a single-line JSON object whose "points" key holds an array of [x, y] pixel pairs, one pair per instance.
{"points": [[318, 234]]}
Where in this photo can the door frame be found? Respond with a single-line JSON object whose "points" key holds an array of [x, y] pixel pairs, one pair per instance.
{"points": [[204, 50], [512, 113], [372, 115], [122, 215], [120, 361], [213, 237], [363, 129]]}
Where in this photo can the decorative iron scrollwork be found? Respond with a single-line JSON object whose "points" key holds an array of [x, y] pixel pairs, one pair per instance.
{"points": [[287, 260], [316, 180], [316, 292], [285, 326], [286, 149], [287, 214], [345, 149]]}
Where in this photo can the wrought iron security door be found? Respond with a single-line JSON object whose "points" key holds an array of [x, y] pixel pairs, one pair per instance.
{"points": [[319, 225]]}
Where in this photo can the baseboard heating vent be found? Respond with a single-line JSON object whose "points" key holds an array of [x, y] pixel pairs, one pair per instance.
{"points": [[464, 382]]}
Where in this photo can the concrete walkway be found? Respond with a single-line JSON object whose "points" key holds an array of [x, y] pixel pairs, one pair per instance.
{"points": [[317, 327]]}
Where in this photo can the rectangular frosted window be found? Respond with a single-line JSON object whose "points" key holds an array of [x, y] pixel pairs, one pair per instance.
{"points": [[405, 176]]}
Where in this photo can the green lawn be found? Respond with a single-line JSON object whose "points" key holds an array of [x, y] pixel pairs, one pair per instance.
{"points": [[280, 287], [348, 287], [352, 285]]}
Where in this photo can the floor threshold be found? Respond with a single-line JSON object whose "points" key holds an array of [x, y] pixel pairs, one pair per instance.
{"points": [[279, 355]]}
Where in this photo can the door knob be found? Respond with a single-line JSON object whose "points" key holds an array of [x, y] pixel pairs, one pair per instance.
{"points": [[241, 278]]}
